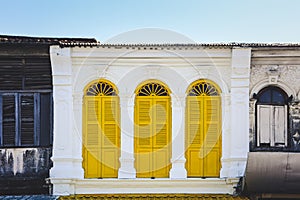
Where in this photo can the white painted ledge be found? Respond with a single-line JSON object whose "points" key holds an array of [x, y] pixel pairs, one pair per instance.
{"points": [[117, 186]]}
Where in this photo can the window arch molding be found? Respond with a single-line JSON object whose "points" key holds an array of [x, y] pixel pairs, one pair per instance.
{"points": [[144, 83], [201, 82], [263, 84], [90, 84]]}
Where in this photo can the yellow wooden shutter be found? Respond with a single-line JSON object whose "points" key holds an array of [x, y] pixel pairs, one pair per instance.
{"points": [[212, 135], [143, 141], [194, 139], [110, 137], [161, 137], [91, 137]]}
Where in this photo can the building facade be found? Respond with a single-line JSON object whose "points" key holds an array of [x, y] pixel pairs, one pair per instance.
{"points": [[149, 118], [135, 121]]}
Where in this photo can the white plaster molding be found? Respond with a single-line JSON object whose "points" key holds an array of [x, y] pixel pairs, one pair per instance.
{"points": [[264, 83], [125, 186]]}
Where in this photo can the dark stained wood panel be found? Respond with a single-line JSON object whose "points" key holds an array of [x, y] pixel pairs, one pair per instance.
{"points": [[25, 73]]}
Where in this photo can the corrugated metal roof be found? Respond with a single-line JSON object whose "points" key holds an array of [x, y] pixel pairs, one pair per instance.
{"points": [[153, 197], [8, 39], [229, 45]]}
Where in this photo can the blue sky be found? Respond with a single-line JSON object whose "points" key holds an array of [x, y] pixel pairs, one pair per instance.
{"points": [[202, 21]]}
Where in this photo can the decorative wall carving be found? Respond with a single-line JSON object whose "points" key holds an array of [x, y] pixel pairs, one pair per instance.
{"points": [[287, 74]]}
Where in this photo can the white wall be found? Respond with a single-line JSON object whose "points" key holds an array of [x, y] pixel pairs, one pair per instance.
{"points": [[127, 67]]}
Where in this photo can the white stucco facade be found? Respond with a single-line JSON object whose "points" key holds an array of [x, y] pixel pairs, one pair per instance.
{"points": [[73, 68]]}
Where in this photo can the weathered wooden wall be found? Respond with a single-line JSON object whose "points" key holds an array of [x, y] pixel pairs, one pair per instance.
{"points": [[25, 170]]}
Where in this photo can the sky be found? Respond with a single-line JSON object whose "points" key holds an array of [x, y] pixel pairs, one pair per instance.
{"points": [[203, 21]]}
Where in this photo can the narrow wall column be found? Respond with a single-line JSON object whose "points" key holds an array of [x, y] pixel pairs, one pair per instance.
{"points": [[127, 169], [239, 141], [178, 170], [77, 134], [63, 172]]}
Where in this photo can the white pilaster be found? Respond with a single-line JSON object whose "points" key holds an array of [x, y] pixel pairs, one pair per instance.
{"points": [[127, 169], [226, 134], [178, 170], [77, 134], [239, 137], [63, 157]]}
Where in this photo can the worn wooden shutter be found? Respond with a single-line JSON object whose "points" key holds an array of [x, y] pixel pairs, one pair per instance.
{"points": [[27, 119], [280, 124], [9, 120], [110, 137], [264, 124], [272, 125]]}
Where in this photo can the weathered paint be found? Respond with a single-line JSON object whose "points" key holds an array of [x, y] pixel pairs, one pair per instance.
{"points": [[24, 169]]}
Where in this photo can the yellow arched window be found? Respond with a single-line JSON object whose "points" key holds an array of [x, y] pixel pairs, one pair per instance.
{"points": [[152, 130], [101, 132], [203, 130]]}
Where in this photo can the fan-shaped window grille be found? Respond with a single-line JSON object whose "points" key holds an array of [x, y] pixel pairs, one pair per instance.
{"points": [[203, 88], [153, 89], [101, 89]]}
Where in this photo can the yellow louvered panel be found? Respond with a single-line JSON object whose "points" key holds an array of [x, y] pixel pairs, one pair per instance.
{"points": [[109, 105], [92, 108], [92, 136], [194, 109], [161, 109], [144, 111], [110, 135], [195, 137], [161, 136], [143, 123]]}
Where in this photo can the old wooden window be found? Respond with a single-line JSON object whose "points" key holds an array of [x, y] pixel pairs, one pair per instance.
{"points": [[25, 101], [25, 119], [271, 117]]}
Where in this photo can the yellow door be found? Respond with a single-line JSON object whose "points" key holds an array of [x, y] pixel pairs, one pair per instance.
{"points": [[101, 136], [152, 135], [203, 132]]}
